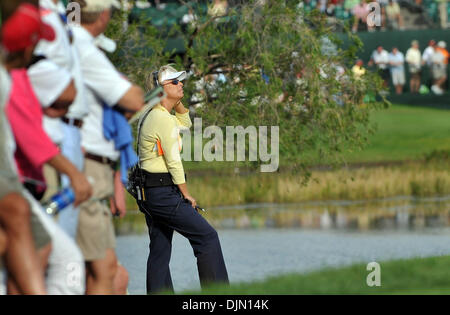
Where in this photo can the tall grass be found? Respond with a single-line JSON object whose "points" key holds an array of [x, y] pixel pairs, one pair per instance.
{"points": [[419, 179], [414, 179]]}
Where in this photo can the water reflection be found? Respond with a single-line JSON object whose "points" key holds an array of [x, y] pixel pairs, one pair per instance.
{"points": [[401, 213], [397, 213]]}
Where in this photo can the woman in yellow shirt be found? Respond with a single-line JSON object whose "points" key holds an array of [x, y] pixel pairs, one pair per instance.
{"points": [[168, 206]]}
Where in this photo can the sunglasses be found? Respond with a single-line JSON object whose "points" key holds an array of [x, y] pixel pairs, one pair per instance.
{"points": [[173, 82]]}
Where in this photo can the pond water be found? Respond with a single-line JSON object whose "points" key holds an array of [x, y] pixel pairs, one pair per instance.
{"points": [[264, 240]]}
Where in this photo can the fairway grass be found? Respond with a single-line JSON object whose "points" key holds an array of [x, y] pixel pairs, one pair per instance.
{"points": [[411, 276], [406, 133]]}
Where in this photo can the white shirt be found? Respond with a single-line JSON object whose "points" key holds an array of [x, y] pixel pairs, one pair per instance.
{"points": [[437, 58], [104, 85], [413, 57], [381, 59], [427, 55], [62, 53], [48, 80]]}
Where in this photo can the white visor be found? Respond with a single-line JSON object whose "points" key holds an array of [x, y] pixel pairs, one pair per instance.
{"points": [[105, 43], [100, 5], [169, 75]]}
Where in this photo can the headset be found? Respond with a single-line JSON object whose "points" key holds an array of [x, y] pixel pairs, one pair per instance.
{"points": [[155, 78]]}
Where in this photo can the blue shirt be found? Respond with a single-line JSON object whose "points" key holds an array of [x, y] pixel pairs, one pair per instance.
{"points": [[397, 58]]}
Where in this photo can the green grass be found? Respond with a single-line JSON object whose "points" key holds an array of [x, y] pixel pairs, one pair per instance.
{"points": [[413, 276], [406, 133]]}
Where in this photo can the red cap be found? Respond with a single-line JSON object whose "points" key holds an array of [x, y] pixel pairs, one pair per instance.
{"points": [[25, 29]]}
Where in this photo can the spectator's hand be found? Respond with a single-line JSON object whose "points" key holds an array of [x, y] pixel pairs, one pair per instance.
{"points": [[117, 202], [81, 187], [129, 115]]}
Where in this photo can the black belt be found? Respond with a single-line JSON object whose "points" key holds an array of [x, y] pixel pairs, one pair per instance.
{"points": [[73, 122], [101, 159], [157, 179]]}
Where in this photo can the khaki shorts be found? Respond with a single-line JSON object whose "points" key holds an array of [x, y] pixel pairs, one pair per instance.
{"points": [[398, 77], [52, 179], [439, 72], [95, 234]]}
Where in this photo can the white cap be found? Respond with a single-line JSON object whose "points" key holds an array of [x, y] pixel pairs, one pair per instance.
{"points": [[49, 81], [100, 5], [442, 44], [105, 43], [170, 74]]}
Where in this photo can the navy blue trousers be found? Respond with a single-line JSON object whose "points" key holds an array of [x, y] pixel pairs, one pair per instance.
{"points": [[167, 211]]}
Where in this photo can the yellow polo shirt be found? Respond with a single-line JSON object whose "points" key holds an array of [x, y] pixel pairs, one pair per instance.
{"points": [[164, 127], [358, 71]]}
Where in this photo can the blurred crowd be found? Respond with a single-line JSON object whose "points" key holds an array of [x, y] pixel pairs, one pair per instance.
{"points": [[429, 65], [65, 144], [391, 14], [214, 8]]}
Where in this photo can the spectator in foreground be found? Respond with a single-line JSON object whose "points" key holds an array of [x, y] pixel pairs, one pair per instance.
{"points": [[414, 60], [65, 131], [396, 62], [106, 89], [25, 233]]}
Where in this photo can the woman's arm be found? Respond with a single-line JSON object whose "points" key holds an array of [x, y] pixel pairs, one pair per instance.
{"points": [[180, 109], [182, 115]]}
